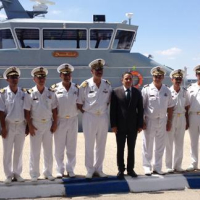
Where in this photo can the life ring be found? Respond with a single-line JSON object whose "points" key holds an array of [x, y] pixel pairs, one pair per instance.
{"points": [[140, 78]]}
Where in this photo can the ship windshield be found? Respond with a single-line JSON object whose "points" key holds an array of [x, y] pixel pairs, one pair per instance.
{"points": [[28, 38], [123, 39], [100, 38], [6, 39], [65, 39]]}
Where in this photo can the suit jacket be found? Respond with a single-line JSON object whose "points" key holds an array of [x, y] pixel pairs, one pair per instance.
{"points": [[126, 116]]}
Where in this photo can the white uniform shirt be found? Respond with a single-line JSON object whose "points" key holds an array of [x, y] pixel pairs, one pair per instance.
{"points": [[40, 105], [95, 100], [66, 100], [12, 105], [181, 100], [156, 101], [194, 92]]}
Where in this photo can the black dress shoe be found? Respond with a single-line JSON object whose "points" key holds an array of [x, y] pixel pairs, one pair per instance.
{"points": [[132, 174], [148, 174], [120, 175]]}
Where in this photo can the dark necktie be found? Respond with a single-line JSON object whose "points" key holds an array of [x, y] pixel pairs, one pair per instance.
{"points": [[128, 95]]}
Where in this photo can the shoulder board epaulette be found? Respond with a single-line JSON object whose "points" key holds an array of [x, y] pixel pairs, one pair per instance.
{"points": [[147, 85], [108, 82], [77, 86], [2, 90], [84, 84], [185, 88], [24, 90], [190, 85], [52, 90], [54, 86], [30, 91]]}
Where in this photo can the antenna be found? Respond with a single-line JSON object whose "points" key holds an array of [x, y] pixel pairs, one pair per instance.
{"points": [[41, 6], [44, 2], [129, 15], [185, 79]]}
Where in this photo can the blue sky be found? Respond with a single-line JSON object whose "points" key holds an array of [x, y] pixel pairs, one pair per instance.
{"points": [[168, 30]]}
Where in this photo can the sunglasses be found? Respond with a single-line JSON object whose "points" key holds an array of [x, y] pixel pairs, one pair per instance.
{"points": [[98, 69], [66, 74], [178, 79], [40, 76], [158, 76], [13, 77]]}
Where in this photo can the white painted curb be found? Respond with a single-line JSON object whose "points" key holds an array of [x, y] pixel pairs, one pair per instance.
{"points": [[30, 190], [157, 183]]}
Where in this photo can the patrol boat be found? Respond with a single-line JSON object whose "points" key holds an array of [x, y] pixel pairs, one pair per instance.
{"points": [[27, 42]]}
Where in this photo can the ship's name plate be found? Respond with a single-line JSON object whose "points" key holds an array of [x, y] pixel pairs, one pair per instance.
{"points": [[65, 53]]}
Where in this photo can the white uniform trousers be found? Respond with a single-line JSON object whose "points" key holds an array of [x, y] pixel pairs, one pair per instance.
{"points": [[43, 137], [194, 131], [95, 129], [175, 139], [155, 130], [66, 137], [14, 140]]}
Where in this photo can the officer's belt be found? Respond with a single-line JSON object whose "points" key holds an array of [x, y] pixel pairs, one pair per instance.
{"points": [[195, 113], [41, 120], [15, 122], [67, 117], [179, 114], [97, 113], [153, 118]]}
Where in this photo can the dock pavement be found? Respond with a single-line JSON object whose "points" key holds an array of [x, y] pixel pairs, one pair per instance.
{"points": [[109, 167]]}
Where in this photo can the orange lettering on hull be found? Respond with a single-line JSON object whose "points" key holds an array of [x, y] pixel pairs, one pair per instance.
{"points": [[65, 54]]}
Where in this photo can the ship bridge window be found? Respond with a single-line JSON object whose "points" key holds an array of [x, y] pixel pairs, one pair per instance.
{"points": [[28, 38], [100, 38], [123, 39], [65, 39], [6, 39]]}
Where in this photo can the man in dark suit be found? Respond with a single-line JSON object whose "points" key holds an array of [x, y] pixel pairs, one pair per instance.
{"points": [[126, 117]]}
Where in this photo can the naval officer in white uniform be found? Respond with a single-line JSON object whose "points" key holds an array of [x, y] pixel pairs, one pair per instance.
{"points": [[194, 119], [158, 109], [40, 109], [65, 136], [13, 125], [93, 101], [180, 123]]}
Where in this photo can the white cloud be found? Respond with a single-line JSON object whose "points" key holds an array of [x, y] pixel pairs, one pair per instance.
{"points": [[56, 12], [170, 52]]}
